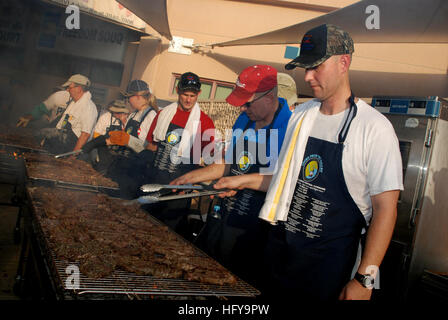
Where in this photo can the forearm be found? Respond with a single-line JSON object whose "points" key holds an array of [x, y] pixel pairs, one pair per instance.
{"points": [[379, 234], [380, 231], [38, 111], [209, 173], [81, 140], [254, 181]]}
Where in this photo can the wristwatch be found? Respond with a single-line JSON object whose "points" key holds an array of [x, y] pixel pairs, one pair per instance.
{"points": [[366, 280]]}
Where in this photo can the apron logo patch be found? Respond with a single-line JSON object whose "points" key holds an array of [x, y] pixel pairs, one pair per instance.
{"points": [[172, 138], [312, 166], [245, 161]]}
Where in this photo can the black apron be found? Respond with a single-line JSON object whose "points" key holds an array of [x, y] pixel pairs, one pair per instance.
{"points": [[107, 154], [65, 141], [163, 171], [59, 112], [313, 253], [124, 165], [237, 239]]}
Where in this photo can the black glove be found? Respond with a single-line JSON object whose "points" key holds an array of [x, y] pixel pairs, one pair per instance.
{"points": [[94, 143]]}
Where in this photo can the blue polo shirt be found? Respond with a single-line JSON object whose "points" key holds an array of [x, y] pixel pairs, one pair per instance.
{"points": [[262, 135]]}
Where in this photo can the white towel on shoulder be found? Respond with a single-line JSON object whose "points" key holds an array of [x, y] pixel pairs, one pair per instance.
{"points": [[282, 186], [189, 132]]}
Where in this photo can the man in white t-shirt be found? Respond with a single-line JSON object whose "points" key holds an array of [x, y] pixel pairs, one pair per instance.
{"points": [[78, 120], [51, 108], [339, 170]]}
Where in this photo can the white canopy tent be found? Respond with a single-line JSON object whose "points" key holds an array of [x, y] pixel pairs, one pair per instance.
{"points": [[415, 21], [153, 12], [407, 56]]}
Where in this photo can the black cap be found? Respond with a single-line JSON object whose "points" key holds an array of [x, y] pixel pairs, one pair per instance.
{"points": [[189, 81], [319, 44], [137, 87]]}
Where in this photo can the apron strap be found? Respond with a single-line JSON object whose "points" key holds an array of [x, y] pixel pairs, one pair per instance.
{"points": [[351, 115]]}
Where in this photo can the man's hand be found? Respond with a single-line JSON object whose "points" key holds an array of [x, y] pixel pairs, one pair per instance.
{"points": [[120, 138], [230, 182], [184, 179], [23, 121], [355, 291]]}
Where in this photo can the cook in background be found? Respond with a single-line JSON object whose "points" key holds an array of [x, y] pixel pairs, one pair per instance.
{"points": [[128, 168], [113, 120], [287, 89], [179, 129], [339, 169], [237, 237], [77, 122], [51, 109]]}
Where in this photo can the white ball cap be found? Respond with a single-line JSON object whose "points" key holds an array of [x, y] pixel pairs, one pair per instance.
{"points": [[78, 79]]}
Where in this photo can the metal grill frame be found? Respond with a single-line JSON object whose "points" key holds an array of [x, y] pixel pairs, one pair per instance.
{"points": [[128, 284]]}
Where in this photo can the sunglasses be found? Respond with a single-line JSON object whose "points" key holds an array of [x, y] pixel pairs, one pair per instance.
{"points": [[249, 104]]}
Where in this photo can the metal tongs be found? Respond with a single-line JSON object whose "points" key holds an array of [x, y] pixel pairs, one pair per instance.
{"points": [[89, 146], [68, 154], [157, 187], [156, 197]]}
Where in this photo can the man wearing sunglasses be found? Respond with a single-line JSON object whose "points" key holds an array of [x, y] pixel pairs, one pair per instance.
{"points": [[236, 238]]}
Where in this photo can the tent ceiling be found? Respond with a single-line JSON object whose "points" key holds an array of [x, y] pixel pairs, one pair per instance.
{"points": [[364, 83], [424, 21], [153, 12]]}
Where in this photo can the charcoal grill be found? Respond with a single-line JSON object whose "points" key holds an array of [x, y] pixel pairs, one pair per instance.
{"points": [[124, 284]]}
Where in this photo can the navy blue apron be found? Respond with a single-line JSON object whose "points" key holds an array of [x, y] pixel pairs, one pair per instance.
{"points": [[242, 235], [313, 253], [163, 171], [132, 126], [107, 154]]}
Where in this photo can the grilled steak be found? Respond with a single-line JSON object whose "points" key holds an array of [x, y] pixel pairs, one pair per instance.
{"points": [[44, 166], [102, 235]]}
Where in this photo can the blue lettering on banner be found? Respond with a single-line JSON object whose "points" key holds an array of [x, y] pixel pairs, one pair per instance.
{"points": [[399, 106]]}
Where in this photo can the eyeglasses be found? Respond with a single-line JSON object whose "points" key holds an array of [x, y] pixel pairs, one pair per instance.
{"points": [[72, 86], [248, 104]]}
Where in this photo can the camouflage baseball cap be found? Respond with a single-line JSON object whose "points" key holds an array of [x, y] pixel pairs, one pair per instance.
{"points": [[319, 44]]}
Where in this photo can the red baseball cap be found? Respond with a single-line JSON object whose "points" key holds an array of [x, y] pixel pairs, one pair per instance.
{"points": [[257, 78]]}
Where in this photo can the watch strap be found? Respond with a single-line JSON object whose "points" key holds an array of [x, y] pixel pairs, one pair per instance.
{"points": [[363, 278]]}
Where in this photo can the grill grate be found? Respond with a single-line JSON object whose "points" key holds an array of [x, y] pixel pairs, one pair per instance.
{"points": [[126, 283], [121, 282]]}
